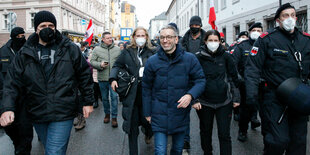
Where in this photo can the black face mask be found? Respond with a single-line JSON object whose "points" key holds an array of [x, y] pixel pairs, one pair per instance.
{"points": [[47, 35], [194, 30], [18, 43]]}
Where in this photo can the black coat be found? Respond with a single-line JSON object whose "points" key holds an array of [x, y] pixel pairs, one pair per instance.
{"points": [[6, 57], [185, 40], [272, 58], [53, 98], [128, 57], [218, 68], [241, 53]]}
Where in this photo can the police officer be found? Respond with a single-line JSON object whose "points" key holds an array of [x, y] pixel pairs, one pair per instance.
{"points": [[20, 132], [244, 35], [240, 54], [276, 56]]}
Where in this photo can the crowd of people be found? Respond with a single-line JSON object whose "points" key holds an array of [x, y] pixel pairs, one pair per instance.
{"points": [[51, 84]]}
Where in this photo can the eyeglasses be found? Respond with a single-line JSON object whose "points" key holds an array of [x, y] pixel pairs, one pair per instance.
{"points": [[166, 37]]}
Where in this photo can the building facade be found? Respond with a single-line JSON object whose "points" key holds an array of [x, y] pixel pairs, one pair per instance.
{"points": [[128, 20], [234, 16], [72, 15], [156, 24]]}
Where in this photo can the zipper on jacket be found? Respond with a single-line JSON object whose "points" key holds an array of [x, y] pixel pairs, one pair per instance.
{"points": [[109, 61]]}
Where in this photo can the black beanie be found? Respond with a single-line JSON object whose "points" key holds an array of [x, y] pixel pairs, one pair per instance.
{"points": [[256, 25], [243, 33], [195, 20], [16, 31], [281, 8], [43, 16]]}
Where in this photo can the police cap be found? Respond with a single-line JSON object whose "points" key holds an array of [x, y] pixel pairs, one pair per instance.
{"points": [[283, 7]]}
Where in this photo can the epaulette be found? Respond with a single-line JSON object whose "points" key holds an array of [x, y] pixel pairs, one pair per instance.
{"points": [[306, 34], [264, 34]]}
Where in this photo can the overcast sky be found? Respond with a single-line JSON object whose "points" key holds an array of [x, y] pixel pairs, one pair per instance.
{"points": [[148, 9]]}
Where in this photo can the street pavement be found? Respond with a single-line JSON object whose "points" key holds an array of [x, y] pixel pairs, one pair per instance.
{"points": [[98, 138]]}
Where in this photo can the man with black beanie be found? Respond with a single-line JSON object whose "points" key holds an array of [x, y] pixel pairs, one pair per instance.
{"points": [[193, 38], [20, 132], [48, 71]]}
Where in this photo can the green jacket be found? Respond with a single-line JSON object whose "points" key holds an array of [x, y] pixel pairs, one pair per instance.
{"points": [[107, 54]]}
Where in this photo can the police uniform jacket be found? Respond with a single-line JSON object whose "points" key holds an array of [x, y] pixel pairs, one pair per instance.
{"points": [[272, 58]]}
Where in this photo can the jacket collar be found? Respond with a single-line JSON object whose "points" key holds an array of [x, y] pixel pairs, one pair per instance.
{"points": [[105, 46], [33, 41], [178, 54]]}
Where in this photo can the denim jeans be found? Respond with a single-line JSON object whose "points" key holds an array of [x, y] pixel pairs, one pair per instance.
{"points": [[54, 136], [161, 138], [105, 88]]}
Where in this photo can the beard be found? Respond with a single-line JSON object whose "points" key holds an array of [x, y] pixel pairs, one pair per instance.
{"points": [[169, 49]]}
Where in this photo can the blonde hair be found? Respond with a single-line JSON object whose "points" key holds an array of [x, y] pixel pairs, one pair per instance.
{"points": [[133, 43]]}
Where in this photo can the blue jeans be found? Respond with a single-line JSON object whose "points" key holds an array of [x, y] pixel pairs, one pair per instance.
{"points": [[161, 138], [104, 89], [54, 136]]}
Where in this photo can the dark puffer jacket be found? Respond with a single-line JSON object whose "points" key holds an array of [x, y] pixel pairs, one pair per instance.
{"points": [[218, 68], [128, 57], [52, 98], [164, 82]]}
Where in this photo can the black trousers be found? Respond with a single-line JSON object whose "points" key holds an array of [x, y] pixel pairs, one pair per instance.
{"points": [[21, 132], [246, 115], [290, 135], [137, 119], [223, 120], [97, 93]]}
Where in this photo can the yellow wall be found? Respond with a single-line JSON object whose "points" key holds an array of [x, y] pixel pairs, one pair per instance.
{"points": [[128, 20]]}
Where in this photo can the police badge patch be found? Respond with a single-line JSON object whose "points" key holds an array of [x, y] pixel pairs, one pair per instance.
{"points": [[254, 51]]}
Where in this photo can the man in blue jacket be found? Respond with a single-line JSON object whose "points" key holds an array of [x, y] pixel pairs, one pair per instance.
{"points": [[172, 79]]}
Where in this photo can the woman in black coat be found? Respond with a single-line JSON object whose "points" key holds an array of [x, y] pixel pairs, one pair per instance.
{"points": [[134, 57], [218, 67]]}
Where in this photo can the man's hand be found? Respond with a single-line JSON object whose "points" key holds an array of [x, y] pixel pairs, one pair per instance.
{"points": [[148, 119], [7, 118], [197, 106], [87, 110], [184, 101], [104, 64], [114, 85], [236, 104]]}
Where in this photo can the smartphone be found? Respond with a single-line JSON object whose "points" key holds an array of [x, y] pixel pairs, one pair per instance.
{"points": [[106, 62]]}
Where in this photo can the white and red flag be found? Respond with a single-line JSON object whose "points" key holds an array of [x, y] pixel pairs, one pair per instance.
{"points": [[89, 32], [212, 16]]}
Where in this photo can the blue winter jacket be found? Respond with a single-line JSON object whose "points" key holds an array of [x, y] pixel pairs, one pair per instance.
{"points": [[164, 82]]}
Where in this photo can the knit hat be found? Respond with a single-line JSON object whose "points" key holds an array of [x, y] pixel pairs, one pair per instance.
{"points": [[195, 20], [43, 16], [281, 8], [16, 31], [256, 25]]}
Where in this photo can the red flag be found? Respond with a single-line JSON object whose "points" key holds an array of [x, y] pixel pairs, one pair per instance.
{"points": [[212, 16], [89, 33]]}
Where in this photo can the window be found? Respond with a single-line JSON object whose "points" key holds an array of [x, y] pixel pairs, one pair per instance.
{"points": [[302, 22], [5, 22], [270, 24], [216, 5], [201, 9], [237, 31], [223, 4], [32, 19], [224, 32], [250, 24]]}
